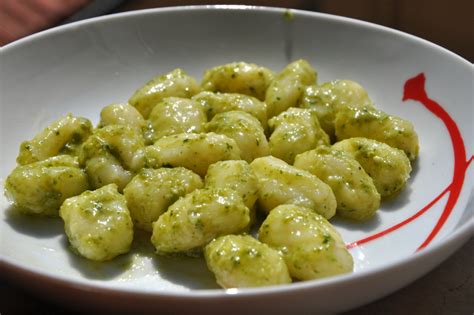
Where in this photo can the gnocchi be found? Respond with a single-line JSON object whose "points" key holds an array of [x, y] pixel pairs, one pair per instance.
{"points": [[240, 261], [191, 150], [356, 195], [389, 167], [238, 176], [175, 115], [329, 98], [121, 114], [98, 223], [311, 247], [195, 220], [41, 187], [112, 155], [375, 124], [215, 103], [176, 83], [288, 86], [238, 77], [63, 136], [245, 130], [152, 191], [192, 163], [281, 183], [295, 131]]}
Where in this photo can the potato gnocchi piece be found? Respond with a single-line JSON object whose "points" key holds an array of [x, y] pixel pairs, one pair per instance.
{"points": [[195, 151], [389, 167], [112, 155], [215, 103], [281, 183], [152, 191], [331, 97], [375, 124], [356, 195], [63, 136], [240, 261], [236, 175], [41, 187], [176, 83], [310, 245], [245, 130], [238, 77], [295, 130], [288, 86], [98, 224], [121, 114], [202, 215], [175, 115]]}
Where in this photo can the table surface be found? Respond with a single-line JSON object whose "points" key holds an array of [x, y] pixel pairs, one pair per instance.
{"points": [[448, 289]]}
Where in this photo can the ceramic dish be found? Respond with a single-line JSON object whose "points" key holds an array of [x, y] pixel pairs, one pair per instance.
{"points": [[84, 66]]}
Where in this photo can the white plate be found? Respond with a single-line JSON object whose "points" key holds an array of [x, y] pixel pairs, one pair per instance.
{"points": [[84, 66]]}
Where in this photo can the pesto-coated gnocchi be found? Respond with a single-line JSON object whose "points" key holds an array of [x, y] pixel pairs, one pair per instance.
{"points": [[375, 124], [389, 167], [215, 103], [121, 114], [195, 220], [63, 136], [112, 155], [236, 175], [192, 163], [281, 183], [310, 245], [329, 98], [175, 115], [288, 86], [238, 77], [176, 83], [245, 130], [98, 224], [195, 151], [240, 261], [152, 191], [40, 188], [356, 195], [295, 131]]}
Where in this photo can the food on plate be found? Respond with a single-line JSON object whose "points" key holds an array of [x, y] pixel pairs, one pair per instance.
{"points": [[152, 191], [113, 154], [374, 124], [389, 167], [240, 261], [329, 98], [245, 130], [238, 176], [176, 83], [175, 115], [196, 219], [215, 103], [281, 183], [121, 114], [195, 151], [98, 223], [41, 187], [238, 77], [356, 195], [295, 131], [63, 136], [200, 166], [310, 245], [288, 86]]}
